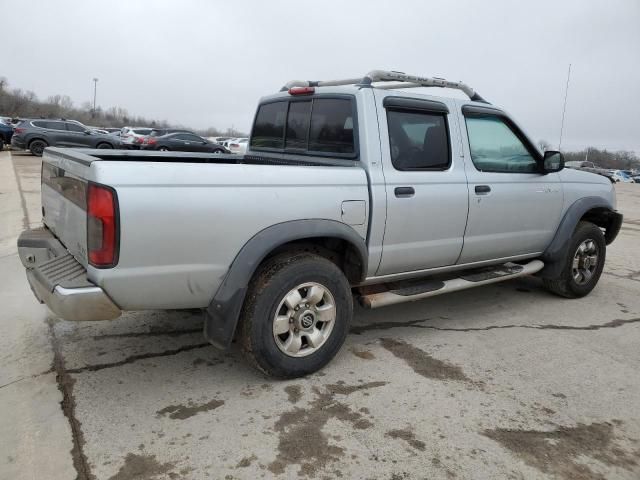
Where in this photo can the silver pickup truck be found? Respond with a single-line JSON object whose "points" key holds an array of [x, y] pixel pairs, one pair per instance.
{"points": [[355, 188]]}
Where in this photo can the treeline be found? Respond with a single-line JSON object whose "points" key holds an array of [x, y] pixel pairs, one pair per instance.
{"points": [[619, 160], [18, 103]]}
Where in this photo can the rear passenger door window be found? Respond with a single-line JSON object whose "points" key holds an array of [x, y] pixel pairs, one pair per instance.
{"points": [[74, 127], [418, 140]]}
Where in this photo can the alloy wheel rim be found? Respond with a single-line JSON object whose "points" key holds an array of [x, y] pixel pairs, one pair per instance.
{"points": [[304, 319], [585, 261]]}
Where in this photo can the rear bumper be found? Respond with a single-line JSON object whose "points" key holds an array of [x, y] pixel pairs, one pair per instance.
{"points": [[18, 143], [59, 281]]}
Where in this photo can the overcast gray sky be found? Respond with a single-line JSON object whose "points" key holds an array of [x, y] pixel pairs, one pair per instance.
{"points": [[206, 63]]}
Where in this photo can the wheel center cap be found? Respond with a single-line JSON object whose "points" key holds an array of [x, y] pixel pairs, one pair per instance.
{"points": [[307, 319]]}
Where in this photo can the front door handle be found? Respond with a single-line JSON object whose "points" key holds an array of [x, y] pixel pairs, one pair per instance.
{"points": [[482, 189], [404, 192]]}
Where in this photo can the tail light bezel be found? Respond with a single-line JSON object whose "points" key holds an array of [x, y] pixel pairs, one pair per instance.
{"points": [[114, 256]]}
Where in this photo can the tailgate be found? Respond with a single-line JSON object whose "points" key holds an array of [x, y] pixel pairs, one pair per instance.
{"points": [[64, 202]]}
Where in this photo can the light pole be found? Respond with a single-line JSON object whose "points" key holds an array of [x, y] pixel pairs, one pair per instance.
{"points": [[95, 89]]}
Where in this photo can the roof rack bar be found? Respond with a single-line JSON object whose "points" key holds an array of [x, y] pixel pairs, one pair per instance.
{"points": [[378, 76]]}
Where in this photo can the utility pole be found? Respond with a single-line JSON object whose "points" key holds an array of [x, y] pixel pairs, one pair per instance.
{"points": [[564, 108], [95, 89]]}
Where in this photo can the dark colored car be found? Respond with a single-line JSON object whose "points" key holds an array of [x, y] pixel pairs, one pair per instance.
{"points": [[36, 135], [6, 132], [182, 142]]}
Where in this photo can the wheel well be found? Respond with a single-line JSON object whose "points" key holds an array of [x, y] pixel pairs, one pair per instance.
{"points": [[605, 219], [341, 252], [598, 216]]}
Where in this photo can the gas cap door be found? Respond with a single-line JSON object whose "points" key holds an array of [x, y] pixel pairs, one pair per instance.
{"points": [[354, 212]]}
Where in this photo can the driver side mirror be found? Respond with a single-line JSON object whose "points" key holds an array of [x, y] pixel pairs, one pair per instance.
{"points": [[553, 161]]}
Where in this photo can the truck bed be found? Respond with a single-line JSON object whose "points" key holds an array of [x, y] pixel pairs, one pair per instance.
{"points": [[184, 216]]}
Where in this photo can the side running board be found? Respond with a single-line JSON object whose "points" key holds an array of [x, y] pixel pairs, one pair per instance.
{"points": [[408, 291]]}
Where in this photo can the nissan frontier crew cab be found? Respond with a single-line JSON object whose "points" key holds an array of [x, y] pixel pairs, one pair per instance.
{"points": [[356, 188]]}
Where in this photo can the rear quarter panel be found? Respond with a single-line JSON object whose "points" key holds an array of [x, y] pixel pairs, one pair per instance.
{"points": [[182, 224]]}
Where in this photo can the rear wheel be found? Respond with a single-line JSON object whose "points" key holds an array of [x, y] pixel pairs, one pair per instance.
{"points": [[103, 146], [296, 315], [37, 147], [583, 265], [163, 149]]}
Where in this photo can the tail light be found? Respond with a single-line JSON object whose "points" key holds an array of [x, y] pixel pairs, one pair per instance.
{"points": [[18, 131], [235, 145], [150, 141], [139, 140], [102, 226]]}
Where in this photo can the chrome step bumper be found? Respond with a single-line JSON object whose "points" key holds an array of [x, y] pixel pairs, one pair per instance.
{"points": [[59, 281]]}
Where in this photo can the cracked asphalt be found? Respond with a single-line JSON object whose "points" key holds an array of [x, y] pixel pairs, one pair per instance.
{"points": [[503, 381]]}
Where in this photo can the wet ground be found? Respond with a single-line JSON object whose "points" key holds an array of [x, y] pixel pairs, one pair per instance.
{"points": [[504, 381]]}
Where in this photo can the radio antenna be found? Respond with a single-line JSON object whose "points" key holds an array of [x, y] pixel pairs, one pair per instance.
{"points": [[564, 107]]}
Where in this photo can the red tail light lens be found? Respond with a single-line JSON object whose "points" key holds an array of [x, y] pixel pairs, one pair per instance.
{"points": [[102, 226], [18, 131], [151, 141]]}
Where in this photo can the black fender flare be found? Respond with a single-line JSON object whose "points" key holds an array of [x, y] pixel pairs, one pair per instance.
{"points": [[221, 317], [556, 252]]}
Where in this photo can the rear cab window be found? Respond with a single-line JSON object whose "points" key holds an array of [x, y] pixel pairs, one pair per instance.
{"points": [[321, 125]]}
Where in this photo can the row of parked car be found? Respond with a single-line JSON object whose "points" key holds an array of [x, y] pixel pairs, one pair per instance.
{"points": [[37, 134], [614, 175]]}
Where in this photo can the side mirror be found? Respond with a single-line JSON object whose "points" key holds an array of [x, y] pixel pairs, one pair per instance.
{"points": [[553, 161]]}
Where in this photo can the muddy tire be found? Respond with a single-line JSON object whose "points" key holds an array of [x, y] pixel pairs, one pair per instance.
{"points": [[296, 315], [37, 147], [584, 263]]}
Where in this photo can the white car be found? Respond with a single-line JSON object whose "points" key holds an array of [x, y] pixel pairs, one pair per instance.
{"points": [[620, 176], [238, 145], [132, 137]]}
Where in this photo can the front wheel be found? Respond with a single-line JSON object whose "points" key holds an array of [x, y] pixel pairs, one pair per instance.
{"points": [[296, 315], [583, 265]]}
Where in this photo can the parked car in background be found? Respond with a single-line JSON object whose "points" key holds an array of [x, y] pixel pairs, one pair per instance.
{"points": [[182, 142], [159, 132], [620, 176], [112, 129], [6, 132], [219, 140], [36, 135], [225, 143], [132, 137], [239, 145]]}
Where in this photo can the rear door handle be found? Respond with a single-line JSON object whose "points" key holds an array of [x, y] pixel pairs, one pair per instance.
{"points": [[482, 189], [404, 192]]}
